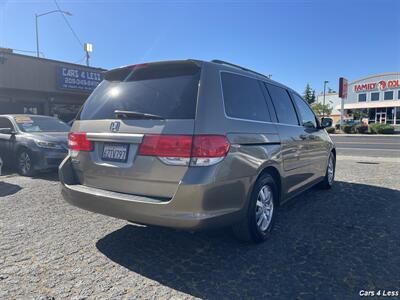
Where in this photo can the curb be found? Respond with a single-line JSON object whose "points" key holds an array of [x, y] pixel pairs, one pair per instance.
{"points": [[366, 135]]}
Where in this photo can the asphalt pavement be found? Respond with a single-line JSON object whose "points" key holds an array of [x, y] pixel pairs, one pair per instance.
{"points": [[325, 245], [368, 145]]}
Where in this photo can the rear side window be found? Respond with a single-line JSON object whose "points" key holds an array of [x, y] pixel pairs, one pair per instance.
{"points": [[5, 123], [283, 105], [166, 89], [307, 116], [243, 98]]}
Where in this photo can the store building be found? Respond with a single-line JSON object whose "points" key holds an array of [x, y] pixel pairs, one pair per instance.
{"points": [[375, 99], [43, 86]]}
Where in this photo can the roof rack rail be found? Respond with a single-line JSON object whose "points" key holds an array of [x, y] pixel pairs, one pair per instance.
{"points": [[217, 61]]}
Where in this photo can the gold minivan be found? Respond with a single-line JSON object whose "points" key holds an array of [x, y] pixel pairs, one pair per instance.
{"points": [[194, 144]]}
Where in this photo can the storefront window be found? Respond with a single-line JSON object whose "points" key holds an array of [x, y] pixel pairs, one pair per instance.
{"points": [[381, 109], [397, 115], [371, 115], [398, 94], [390, 115], [362, 97], [33, 109], [388, 95], [375, 96], [65, 112]]}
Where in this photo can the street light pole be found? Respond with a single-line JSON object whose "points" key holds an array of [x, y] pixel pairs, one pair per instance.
{"points": [[323, 103], [37, 26], [37, 35]]}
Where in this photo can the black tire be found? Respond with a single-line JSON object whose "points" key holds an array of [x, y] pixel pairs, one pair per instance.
{"points": [[25, 164], [248, 230], [327, 183]]}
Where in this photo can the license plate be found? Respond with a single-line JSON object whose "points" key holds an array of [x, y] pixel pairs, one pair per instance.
{"points": [[115, 152]]}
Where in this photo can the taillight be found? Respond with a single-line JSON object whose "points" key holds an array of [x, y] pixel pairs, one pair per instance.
{"points": [[166, 145], [208, 149], [77, 141], [198, 150]]}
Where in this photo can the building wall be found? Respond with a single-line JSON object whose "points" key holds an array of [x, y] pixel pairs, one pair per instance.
{"points": [[384, 108], [42, 86], [332, 99], [380, 83]]}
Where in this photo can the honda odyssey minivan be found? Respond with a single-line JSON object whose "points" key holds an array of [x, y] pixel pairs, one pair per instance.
{"points": [[194, 144]]}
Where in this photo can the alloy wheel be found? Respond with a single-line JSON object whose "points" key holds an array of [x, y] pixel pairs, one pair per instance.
{"points": [[25, 163], [264, 208], [331, 169]]}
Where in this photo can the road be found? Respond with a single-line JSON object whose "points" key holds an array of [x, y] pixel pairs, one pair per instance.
{"points": [[367, 145], [325, 245]]}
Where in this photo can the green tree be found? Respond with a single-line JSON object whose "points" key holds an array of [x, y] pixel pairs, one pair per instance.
{"points": [[321, 109], [312, 97], [307, 95]]}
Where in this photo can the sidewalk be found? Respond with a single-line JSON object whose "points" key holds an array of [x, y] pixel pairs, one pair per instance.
{"points": [[366, 135], [368, 159]]}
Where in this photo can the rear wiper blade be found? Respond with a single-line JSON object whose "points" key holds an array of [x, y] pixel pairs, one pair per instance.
{"points": [[136, 115]]}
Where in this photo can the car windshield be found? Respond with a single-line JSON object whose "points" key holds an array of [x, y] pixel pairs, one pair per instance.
{"points": [[40, 124]]}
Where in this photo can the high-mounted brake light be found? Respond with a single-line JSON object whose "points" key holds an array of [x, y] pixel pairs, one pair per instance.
{"points": [[198, 150], [77, 141]]}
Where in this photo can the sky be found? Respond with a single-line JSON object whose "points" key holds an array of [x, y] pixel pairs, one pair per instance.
{"points": [[298, 42]]}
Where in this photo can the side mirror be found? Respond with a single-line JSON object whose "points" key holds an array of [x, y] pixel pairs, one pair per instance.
{"points": [[6, 131], [326, 122]]}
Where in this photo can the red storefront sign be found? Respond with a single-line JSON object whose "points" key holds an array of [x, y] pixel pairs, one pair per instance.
{"points": [[381, 85], [342, 87]]}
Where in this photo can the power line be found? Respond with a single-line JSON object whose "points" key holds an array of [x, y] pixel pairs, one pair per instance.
{"points": [[68, 24]]}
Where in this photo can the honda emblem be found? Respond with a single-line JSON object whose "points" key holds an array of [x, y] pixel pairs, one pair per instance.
{"points": [[114, 127]]}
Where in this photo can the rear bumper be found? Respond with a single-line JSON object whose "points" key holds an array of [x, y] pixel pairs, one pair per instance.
{"points": [[48, 159], [194, 206]]}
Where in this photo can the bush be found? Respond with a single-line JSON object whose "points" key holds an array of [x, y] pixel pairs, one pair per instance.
{"points": [[330, 129], [348, 128], [381, 128], [361, 128]]}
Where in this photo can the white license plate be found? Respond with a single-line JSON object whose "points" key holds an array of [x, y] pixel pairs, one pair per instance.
{"points": [[115, 152]]}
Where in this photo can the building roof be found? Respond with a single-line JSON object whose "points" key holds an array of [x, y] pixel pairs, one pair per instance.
{"points": [[376, 75], [6, 51]]}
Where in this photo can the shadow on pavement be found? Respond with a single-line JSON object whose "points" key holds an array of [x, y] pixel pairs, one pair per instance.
{"points": [[7, 189], [47, 175], [325, 244]]}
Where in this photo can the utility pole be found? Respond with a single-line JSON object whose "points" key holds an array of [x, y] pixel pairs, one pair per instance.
{"points": [[323, 103], [37, 35]]}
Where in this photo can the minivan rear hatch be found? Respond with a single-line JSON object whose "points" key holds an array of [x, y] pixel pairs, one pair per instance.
{"points": [[133, 105]]}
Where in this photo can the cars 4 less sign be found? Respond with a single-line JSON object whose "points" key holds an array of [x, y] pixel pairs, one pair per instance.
{"points": [[381, 85], [78, 79]]}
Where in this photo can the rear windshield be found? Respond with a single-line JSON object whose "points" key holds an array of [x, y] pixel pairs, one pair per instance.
{"points": [[40, 124], [167, 89]]}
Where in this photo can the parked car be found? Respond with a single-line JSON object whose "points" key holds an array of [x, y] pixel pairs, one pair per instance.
{"points": [[32, 143], [194, 144], [347, 122]]}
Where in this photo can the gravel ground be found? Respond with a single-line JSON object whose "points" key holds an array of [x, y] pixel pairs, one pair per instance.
{"points": [[325, 245]]}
